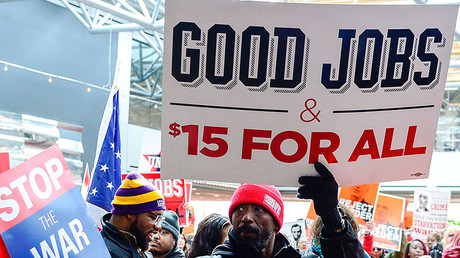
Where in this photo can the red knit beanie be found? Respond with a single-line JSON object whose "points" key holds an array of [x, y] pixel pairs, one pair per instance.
{"points": [[267, 196]]}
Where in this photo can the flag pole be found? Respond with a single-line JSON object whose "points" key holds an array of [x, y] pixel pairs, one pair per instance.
{"points": [[106, 172]]}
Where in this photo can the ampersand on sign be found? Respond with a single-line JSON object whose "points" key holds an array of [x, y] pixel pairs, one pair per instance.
{"points": [[309, 110]]}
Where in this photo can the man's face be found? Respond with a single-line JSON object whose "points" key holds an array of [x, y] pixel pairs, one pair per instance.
{"points": [[382, 212], [162, 242], [358, 192], [253, 224], [144, 224], [296, 231], [302, 244], [423, 201]]}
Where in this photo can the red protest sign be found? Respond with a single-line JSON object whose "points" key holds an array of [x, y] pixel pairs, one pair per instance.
{"points": [[4, 161], [175, 193], [4, 166], [361, 200], [45, 178], [388, 217], [41, 203]]}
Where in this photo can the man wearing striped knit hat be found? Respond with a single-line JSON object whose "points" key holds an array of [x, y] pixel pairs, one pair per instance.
{"points": [[137, 211]]}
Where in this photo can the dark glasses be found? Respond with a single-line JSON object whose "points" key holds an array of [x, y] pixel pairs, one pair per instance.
{"points": [[378, 249]]}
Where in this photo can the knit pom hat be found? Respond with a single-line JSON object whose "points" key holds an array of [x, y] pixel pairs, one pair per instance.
{"points": [[137, 195], [171, 223], [267, 196]]}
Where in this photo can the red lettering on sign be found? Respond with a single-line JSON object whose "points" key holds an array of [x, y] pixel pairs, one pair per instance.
{"points": [[410, 149], [327, 152], [387, 151], [302, 146], [369, 138], [249, 144]]}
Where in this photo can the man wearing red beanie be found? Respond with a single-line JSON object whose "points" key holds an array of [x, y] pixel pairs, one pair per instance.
{"points": [[256, 213]]}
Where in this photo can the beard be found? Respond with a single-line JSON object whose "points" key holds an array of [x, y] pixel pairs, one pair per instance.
{"points": [[141, 239], [263, 236], [156, 252]]}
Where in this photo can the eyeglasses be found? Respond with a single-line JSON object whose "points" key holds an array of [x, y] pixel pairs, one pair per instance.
{"points": [[378, 249]]}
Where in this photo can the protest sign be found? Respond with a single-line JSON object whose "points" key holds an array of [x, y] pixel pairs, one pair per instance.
{"points": [[174, 190], [42, 212], [4, 166], [388, 217], [255, 92], [311, 215], [294, 231], [150, 161], [361, 201], [430, 214], [4, 161], [189, 218]]}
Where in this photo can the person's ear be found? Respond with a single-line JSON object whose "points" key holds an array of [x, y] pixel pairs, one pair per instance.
{"points": [[131, 217]]}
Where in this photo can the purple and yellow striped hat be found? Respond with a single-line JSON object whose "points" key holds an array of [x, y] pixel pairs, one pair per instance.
{"points": [[137, 195]]}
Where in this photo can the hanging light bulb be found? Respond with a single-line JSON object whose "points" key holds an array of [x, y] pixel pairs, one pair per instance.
{"points": [[50, 80], [88, 89], [155, 106], [5, 68]]}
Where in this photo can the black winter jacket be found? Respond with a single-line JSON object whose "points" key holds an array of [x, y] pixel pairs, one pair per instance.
{"points": [[116, 242], [234, 248], [342, 245]]}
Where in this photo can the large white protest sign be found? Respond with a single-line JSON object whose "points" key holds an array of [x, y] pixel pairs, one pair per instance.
{"points": [[256, 92], [430, 213]]}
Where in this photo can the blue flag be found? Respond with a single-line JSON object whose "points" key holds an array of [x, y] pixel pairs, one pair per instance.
{"points": [[106, 176]]}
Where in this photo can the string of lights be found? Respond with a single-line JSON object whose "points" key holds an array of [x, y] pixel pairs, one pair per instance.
{"points": [[52, 77]]}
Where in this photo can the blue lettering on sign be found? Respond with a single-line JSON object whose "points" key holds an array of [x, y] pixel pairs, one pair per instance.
{"points": [[221, 51], [263, 37], [193, 55], [380, 60], [427, 57], [217, 48], [398, 60], [364, 38], [346, 36]]}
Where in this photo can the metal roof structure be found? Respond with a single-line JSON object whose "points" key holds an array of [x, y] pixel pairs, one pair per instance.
{"points": [[145, 19]]}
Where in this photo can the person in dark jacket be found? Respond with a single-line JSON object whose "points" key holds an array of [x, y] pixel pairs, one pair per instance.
{"points": [[434, 245], [338, 240], [347, 215], [163, 242], [137, 210], [256, 213]]}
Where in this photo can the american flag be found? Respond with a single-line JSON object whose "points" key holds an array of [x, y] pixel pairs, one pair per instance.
{"points": [[106, 175]]}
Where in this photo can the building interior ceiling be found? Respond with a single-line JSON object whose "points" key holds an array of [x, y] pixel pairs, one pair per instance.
{"points": [[145, 19]]}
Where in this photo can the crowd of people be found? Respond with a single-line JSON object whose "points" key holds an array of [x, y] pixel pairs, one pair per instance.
{"points": [[140, 226]]}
